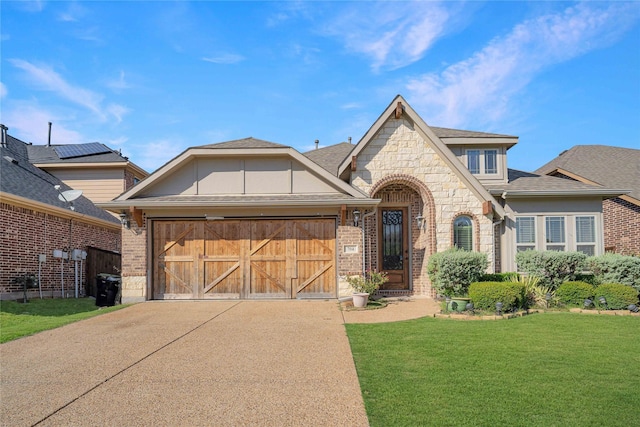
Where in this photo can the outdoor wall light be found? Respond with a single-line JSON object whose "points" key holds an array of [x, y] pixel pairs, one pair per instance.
{"points": [[124, 220], [421, 221], [356, 217], [499, 306], [633, 308], [587, 303]]}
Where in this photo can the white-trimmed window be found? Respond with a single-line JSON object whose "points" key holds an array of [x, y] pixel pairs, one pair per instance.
{"points": [[555, 233], [482, 162], [525, 233], [586, 234], [463, 233]]}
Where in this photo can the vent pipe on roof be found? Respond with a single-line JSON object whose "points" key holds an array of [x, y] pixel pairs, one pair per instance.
{"points": [[4, 129], [317, 143], [49, 140], [349, 139]]}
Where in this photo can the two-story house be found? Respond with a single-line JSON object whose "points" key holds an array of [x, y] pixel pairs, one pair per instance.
{"points": [[255, 219]]}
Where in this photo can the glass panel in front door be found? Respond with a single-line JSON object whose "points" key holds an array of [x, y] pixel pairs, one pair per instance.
{"points": [[392, 245]]}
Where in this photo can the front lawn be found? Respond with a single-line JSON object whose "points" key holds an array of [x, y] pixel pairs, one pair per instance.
{"points": [[18, 319], [556, 369]]}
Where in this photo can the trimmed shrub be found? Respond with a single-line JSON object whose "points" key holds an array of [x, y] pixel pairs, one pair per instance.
{"points": [[551, 266], [574, 293], [590, 278], [616, 268], [497, 277], [485, 295], [618, 296], [452, 271]]}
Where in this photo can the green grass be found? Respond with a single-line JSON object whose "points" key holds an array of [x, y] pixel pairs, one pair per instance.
{"points": [[559, 369], [18, 319]]}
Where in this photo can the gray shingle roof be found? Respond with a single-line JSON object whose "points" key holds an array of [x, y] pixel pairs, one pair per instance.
{"points": [[330, 157], [21, 178], [457, 133], [245, 143], [44, 154], [521, 182], [613, 167]]}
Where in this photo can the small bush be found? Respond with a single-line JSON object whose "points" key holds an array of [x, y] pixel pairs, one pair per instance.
{"points": [[618, 296], [452, 271], [485, 295], [589, 278], [574, 293], [497, 277], [616, 268], [552, 267]]}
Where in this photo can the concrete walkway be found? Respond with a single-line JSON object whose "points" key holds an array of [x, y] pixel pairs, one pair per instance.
{"points": [[267, 363]]}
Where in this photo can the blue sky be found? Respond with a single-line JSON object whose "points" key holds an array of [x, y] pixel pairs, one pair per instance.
{"points": [[153, 78]]}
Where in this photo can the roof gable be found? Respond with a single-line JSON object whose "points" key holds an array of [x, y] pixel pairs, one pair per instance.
{"points": [[612, 167], [248, 168], [400, 108]]}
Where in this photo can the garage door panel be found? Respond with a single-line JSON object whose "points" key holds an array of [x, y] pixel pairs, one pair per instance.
{"points": [[222, 279], [268, 279], [270, 258]]}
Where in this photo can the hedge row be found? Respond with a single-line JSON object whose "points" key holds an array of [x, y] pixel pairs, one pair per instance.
{"points": [[485, 295], [617, 295]]}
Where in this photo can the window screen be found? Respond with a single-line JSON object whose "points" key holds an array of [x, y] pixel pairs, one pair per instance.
{"points": [[473, 161], [555, 235], [491, 161], [586, 234], [525, 233]]}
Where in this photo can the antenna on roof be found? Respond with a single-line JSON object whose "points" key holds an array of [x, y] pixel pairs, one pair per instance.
{"points": [[49, 140]]}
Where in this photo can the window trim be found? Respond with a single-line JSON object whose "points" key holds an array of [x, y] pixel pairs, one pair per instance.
{"points": [[482, 161], [454, 236]]}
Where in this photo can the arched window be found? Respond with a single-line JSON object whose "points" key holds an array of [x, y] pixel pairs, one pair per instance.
{"points": [[463, 233]]}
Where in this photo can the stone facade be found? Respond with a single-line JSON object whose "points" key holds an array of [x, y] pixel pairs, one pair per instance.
{"points": [[398, 156], [134, 263]]}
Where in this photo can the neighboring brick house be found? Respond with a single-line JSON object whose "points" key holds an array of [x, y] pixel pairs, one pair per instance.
{"points": [[34, 223], [613, 167], [255, 219]]}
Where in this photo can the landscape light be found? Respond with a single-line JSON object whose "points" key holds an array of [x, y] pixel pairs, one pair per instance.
{"points": [[499, 306], [603, 301], [633, 308], [587, 303]]}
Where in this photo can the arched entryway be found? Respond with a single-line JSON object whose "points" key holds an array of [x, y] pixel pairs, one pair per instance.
{"points": [[403, 233]]}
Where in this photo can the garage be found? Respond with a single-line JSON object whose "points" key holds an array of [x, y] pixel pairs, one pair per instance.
{"points": [[244, 258]]}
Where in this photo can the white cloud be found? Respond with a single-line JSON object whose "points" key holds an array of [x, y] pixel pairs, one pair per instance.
{"points": [[73, 13], [154, 154], [224, 58], [29, 123], [485, 83], [3, 90], [49, 80], [120, 83], [392, 34]]}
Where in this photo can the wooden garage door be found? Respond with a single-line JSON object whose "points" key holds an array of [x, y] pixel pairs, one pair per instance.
{"points": [[244, 259]]}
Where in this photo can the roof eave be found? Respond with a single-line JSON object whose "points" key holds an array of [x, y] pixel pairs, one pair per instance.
{"points": [[117, 206]]}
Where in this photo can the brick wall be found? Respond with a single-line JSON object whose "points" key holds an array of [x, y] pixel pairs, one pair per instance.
{"points": [[621, 226], [26, 233], [134, 262]]}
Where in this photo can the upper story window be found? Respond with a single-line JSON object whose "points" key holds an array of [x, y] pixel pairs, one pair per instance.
{"points": [[463, 233], [482, 162]]}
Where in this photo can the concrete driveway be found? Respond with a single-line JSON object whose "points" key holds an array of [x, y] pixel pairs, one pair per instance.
{"points": [[196, 363]]}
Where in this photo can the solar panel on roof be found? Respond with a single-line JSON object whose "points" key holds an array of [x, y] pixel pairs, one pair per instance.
{"points": [[80, 150]]}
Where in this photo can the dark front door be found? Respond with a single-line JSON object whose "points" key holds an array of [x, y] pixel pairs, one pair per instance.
{"points": [[394, 248]]}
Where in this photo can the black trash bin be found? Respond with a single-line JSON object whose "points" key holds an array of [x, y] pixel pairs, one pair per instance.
{"points": [[107, 286]]}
